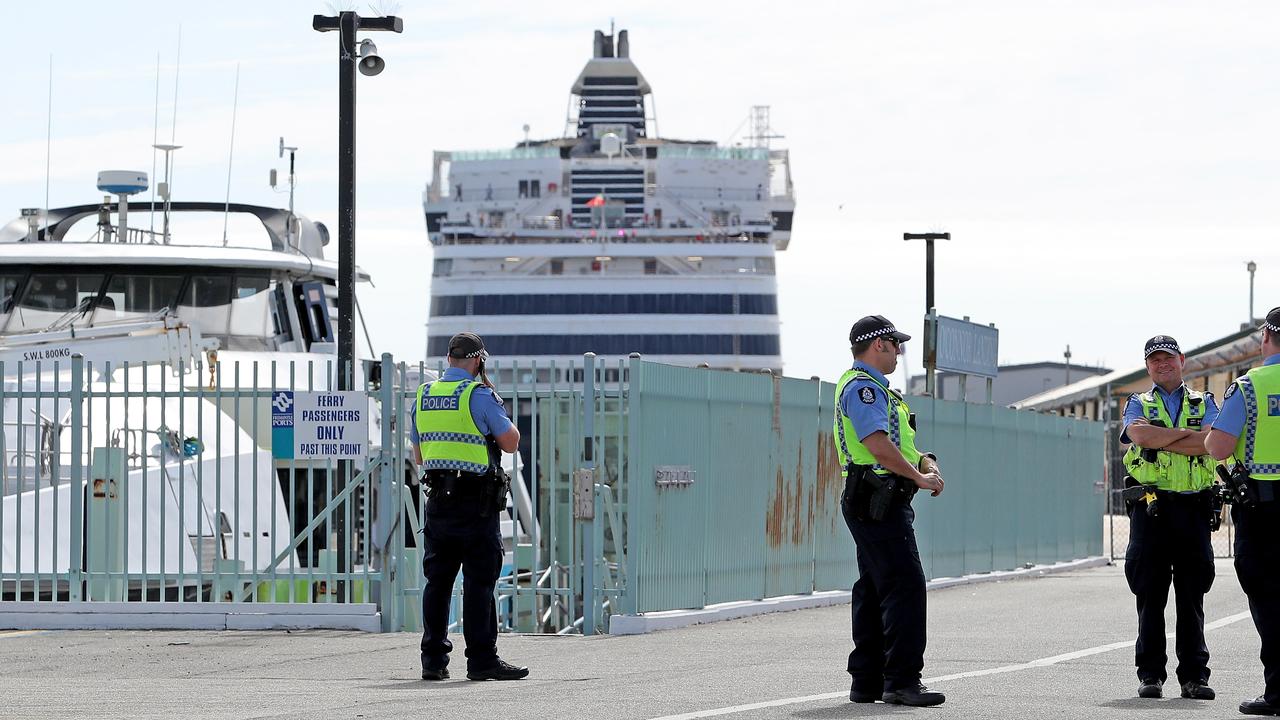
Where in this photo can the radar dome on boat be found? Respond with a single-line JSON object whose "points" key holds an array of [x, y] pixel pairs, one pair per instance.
{"points": [[122, 182]]}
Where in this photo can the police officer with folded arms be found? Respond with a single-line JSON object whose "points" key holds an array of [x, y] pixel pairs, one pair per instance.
{"points": [[1247, 435], [883, 469], [460, 432], [1170, 511]]}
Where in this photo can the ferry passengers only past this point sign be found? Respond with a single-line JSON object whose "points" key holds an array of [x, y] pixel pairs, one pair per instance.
{"points": [[311, 425]]}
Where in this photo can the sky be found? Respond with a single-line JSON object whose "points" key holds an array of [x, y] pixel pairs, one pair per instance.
{"points": [[1105, 169]]}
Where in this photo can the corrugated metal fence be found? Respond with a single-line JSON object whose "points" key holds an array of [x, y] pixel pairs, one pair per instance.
{"points": [[762, 515]]}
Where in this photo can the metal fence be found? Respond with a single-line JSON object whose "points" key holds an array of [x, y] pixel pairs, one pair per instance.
{"points": [[761, 517], [638, 487]]}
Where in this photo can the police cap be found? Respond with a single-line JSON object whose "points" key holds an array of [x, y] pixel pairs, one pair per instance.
{"points": [[1272, 322], [467, 345], [872, 327], [1161, 343]]}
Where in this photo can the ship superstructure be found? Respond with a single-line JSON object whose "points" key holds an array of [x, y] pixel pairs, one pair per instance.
{"points": [[611, 239]]}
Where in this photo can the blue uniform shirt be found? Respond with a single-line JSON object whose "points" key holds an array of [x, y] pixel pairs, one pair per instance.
{"points": [[1231, 420], [1172, 404], [865, 403], [486, 409]]}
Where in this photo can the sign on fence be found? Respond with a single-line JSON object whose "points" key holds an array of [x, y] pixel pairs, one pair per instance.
{"points": [[311, 425]]}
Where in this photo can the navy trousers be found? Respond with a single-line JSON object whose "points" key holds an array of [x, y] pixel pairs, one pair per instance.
{"points": [[1172, 547], [1257, 549], [888, 601], [459, 537]]}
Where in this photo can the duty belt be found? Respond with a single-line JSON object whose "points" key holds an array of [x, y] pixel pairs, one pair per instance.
{"points": [[456, 483]]}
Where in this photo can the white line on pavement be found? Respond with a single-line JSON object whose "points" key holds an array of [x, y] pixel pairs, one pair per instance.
{"points": [[1041, 662]]}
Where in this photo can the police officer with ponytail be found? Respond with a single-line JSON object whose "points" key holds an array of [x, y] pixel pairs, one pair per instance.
{"points": [[883, 469], [1247, 436], [1169, 530], [460, 432]]}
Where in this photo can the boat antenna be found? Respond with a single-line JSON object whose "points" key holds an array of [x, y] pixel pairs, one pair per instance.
{"points": [[293, 181], [155, 139], [177, 71], [231, 153], [48, 138], [173, 135]]}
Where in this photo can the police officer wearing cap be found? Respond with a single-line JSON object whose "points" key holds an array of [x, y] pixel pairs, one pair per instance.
{"points": [[460, 432], [1247, 434], [1170, 525], [876, 443]]}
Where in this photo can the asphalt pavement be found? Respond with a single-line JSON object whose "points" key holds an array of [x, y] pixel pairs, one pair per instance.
{"points": [[1059, 646]]}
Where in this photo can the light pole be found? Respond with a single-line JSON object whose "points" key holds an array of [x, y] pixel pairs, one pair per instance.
{"points": [[347, 24], [1252, 267], [930, 349]]}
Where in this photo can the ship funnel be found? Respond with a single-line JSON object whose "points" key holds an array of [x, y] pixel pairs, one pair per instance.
{"points": [[624, 46]]}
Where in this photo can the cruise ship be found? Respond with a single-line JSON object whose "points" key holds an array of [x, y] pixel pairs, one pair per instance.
{"points": [[611, 239]]}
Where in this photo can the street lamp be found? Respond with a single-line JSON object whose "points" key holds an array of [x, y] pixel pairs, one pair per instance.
{"points": [[348, 23], [1252, 267]]}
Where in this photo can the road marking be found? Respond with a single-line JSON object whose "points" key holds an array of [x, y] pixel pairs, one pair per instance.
{"points": [[1039, 663], [17, 633]]}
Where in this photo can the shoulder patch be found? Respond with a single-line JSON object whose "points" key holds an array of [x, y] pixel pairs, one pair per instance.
{"points": [[867, 395], [1231, 390]]}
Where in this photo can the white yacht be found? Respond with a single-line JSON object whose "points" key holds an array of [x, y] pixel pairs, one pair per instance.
{"points": [[611, 239], [180, 324]]}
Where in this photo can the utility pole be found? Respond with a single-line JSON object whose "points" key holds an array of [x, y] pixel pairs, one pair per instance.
{"points": [[930, 326], [347, 24]]}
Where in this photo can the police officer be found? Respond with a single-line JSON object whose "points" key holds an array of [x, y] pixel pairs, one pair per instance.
{"points": [[1169, 527], [882, 468], [1248, 432], [460, 432]]}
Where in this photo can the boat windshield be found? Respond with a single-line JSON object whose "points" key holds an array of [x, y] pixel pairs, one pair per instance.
{"points": [[233, 306]]}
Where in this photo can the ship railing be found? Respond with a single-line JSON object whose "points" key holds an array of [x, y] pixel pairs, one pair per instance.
{"points": [[638, 236], [132, 235]]}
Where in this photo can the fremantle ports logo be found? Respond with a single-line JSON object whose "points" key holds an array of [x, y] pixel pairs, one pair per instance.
{"points": [[282, 409]]}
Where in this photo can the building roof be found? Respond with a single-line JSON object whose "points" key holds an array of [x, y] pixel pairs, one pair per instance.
{"points": [[1046, 365], [1229, 349]]}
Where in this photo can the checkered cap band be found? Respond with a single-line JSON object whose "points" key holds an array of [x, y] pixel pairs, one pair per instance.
{"points": [[1171, 348], [875, 334], [1272, 328]]}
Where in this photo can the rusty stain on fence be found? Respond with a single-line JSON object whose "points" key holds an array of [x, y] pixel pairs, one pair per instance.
{"points": [[830, 484], [790, 510]]}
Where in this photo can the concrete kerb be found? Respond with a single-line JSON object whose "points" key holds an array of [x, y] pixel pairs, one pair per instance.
{"points": [[669, 619], [26, 615]]}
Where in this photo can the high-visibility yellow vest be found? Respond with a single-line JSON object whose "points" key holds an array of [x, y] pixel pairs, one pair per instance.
{"points": [[1171, 471], [851, 450], [1258, 447], [447, 434]]}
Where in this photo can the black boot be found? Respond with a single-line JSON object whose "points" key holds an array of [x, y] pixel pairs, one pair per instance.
{"points": [[917, 696], [502, 671]]}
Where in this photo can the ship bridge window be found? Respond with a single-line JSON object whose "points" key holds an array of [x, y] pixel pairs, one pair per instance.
{"points": [[250, 307], [9, 282], [137, 296], [207, 305], [49, 296]]}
